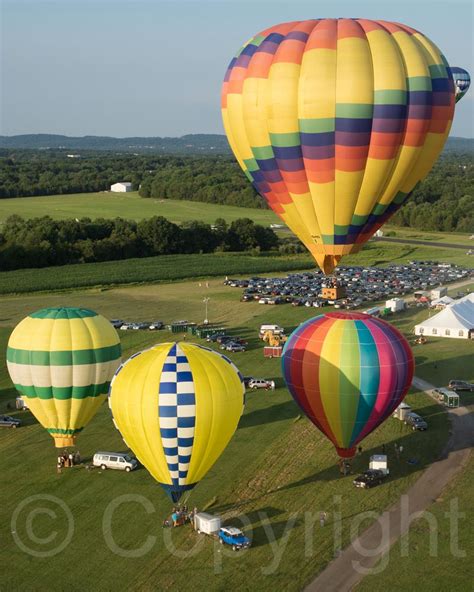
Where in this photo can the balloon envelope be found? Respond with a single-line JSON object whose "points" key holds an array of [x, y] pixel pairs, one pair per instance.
{"points": [[61, 360], [177, 406], [335, 121], [462, 81], [347, 372]]}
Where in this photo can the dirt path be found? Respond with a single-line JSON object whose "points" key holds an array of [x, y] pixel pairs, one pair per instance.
{"points": [[348, 569]]}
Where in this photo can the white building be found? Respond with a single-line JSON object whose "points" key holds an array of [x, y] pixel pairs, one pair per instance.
{"points": [[122, 187], [455, 321], [395, 304]]}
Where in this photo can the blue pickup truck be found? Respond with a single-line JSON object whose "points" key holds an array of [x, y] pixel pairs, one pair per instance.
{"points": [[235, 538]]}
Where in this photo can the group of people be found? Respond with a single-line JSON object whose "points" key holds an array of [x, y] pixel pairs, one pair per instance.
{"points": [[180, 515], [68, 459]]}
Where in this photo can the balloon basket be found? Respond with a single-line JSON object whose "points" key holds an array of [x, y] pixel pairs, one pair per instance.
{"points": [[64, 441]]}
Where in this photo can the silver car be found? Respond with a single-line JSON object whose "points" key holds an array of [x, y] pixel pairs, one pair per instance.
{"points": [[7, 421]]}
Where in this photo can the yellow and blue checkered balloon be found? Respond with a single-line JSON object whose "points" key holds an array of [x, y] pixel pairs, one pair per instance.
{"points": [[177, 405]]}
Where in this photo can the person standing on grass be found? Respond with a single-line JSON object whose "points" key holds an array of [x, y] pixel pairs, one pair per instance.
{"points": [[322, 518]]}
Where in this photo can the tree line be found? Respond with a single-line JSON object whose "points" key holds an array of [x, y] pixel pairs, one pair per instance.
{"points": [[44, 242], [443, 201]]}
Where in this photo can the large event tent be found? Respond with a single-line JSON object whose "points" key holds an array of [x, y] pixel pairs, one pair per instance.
{"points": [[456, 320]]}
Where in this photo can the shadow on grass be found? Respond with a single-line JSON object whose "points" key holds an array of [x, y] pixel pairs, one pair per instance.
{"points": [[278, 412]]}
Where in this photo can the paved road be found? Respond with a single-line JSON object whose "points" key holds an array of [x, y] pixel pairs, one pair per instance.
{"points": [[410, 241], [342, 574]]}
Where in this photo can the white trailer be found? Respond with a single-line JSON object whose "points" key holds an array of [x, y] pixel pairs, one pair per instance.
{"points": [[379, 462], [206, 523], [401, 411], [438, 293]]}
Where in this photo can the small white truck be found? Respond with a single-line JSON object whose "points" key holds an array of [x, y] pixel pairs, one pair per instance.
{"points": [[379, 463]]}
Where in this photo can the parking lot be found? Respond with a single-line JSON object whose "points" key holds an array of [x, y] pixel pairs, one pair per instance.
{"points": [[359, 285]]}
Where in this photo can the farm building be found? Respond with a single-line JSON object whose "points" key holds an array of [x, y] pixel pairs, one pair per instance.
{"points": [[121, 187], [455, 321], [395, 304]]}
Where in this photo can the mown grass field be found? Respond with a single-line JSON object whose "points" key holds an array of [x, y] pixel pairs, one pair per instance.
{"points": [[178, 267], [275, 477], [127, 205], [130, 205]]}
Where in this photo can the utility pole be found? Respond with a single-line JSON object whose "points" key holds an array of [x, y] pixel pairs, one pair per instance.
{"points": [[206, 303]]}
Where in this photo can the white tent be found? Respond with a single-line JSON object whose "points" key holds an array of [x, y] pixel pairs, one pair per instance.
{"points": [[456, 320]]}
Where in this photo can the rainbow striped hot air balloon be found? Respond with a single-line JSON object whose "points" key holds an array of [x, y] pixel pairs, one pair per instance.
{"points": [[335, 121], [61, 360], [347, 372], [177, 406]]}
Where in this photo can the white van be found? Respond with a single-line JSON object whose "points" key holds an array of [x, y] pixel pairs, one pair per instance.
{"points": [[275, 329], [114, 460]]}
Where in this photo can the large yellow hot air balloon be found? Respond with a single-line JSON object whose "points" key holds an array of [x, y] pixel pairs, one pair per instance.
{"points": [[335, 121], [61, 360], [177, 406]]}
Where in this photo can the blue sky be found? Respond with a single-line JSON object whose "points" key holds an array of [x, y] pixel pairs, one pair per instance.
{"points": [[154, 68]]}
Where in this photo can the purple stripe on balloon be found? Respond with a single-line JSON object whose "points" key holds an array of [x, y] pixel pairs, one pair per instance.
{"points": [[268, 46], [273, 176], [298, 36], [419, 112], [389, 126], [353, 124], [243, 61], [292, 165], [442, 99], [318, 152], [352, 139]]}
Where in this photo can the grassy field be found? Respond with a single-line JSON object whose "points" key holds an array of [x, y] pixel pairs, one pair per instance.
{"points": [[111, 205], [275, 477], [441, 571], [179, 267], [459, 238], [126, 205]]}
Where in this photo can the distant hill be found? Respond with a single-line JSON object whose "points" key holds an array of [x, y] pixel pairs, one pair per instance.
{"points": [[189, 144]]}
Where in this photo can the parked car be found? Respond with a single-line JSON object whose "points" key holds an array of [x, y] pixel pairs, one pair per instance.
{"points": [[461, 385], [125, 327], [371, 478], [234, 537], [247, 380], [223, 338], [7, 421], [156, 325], [416, 422], [114, 460], [262, 383], [234, 347], [117, 323]]}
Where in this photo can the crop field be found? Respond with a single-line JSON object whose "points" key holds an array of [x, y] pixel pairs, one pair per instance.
{"points": [[127, 205], [178, 267], [274, 478]]}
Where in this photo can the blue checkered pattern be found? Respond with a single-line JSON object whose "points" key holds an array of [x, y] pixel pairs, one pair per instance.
{"points": [[177, 413]]}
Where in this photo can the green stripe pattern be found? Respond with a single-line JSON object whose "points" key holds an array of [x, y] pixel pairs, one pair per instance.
{"points": [[64, 358], [63, 393]]}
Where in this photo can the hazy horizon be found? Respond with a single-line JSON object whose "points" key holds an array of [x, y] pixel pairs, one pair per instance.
{"points": [[154, 69]]}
